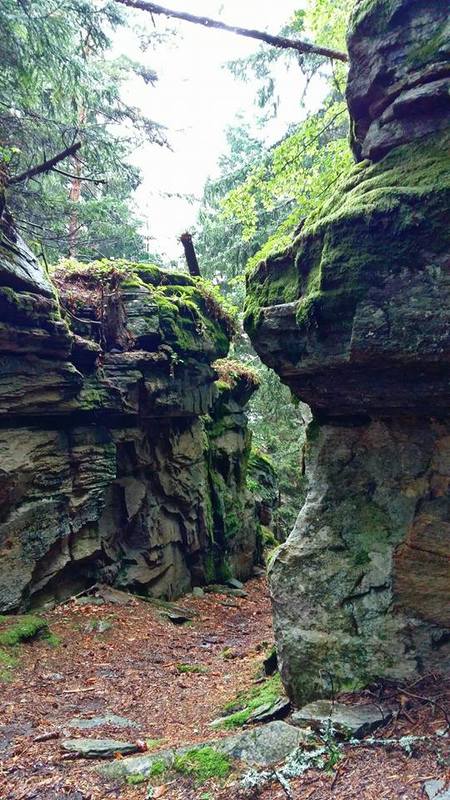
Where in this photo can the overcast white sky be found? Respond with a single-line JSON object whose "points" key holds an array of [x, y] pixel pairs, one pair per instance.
{"points": [[197, 98]]}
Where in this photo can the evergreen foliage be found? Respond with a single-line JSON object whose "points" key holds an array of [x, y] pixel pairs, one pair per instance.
{"points": [[60, 84]]}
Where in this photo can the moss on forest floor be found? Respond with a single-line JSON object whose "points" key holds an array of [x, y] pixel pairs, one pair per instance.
{"points": [[242, 706], [16, 631]]}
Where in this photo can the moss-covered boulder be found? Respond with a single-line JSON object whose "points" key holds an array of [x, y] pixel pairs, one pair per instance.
{"points": [[108, 471], [355, 318], [362, 297]]}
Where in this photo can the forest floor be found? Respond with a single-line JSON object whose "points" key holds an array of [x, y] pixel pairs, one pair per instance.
{"points": [[127, 660]]}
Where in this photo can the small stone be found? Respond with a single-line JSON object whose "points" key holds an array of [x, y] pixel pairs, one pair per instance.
{"points": [[99, 722], [259, 572], [218, 588], [53, 676], [110, 595], [435, 790], [98, 748], [98, 626], [177, 617], [263, 746], [355, 721], [233, 583], [197, 591], [87, 600], [275, 710]]}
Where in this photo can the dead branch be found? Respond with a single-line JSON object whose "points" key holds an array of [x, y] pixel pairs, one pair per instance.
{"points": [[191, 256], [46, 166], [268, 38]]}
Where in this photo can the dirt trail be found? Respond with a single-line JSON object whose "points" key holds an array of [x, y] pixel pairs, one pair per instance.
{"points": [[127, 660], [131, 670]]}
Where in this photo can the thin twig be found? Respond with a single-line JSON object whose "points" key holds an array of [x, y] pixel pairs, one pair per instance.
{"points": [[78, 177]]}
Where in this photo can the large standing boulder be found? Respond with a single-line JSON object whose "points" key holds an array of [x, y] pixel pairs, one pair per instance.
{"points": [[355, 318]]}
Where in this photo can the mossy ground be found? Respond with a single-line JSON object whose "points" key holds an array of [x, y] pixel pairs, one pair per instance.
{"points": [[203, 764], [200, 763], [241, 707], [191, 668], [16, 631], [21, 629]]}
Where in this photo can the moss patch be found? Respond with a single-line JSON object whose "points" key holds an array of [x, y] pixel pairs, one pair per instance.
{"points": [[203, 764], [21, 629], [136, 780], [241, 707], [191, 313], [372, 16], [8, 663], [194, 668], [395, 206], [16, 631]]}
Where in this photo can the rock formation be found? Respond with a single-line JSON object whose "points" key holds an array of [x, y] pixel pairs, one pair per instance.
{"points": [[123, 456], [355, 318]]}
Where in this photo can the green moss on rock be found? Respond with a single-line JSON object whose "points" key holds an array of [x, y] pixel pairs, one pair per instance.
{"points": [[18, 630], [240, 708], [394, 206], [203, 764], [371, 16]]}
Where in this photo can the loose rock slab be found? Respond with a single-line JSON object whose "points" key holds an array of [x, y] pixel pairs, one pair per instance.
{"points": [[435, 790], [268, 711], [100, 722], [261, 747], [98, 748], [264, 746], [356, 721]]}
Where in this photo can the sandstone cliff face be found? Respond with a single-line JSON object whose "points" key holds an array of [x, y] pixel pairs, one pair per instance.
{"points": [[115, 433], [355, 318]]}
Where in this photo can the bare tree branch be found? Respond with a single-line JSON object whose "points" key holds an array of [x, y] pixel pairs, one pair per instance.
{"points": [[46, 166], [80, 177], [275, 41]]}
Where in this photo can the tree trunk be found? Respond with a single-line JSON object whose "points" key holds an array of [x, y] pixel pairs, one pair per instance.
{"points": [[191, 257]]}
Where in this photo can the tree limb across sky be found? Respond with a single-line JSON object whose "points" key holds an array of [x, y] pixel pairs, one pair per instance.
{"points": [[268, 38], [46, 166]]}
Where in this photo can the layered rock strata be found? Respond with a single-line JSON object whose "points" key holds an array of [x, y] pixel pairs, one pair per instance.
{"points": [[115, 432], [355, 318]]}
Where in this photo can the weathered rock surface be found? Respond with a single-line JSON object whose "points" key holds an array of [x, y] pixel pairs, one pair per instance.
{"points": [[100, 722], [437, 790], [355, 318], [123, 457], [399, 80], [352, 721], [264, 484], [260, 747], [98, 748]]}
